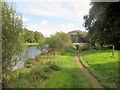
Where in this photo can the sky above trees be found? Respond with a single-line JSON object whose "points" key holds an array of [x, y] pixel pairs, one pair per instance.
{"points": [[51, 16]]}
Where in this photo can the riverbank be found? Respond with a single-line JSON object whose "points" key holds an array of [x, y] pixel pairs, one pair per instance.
{"points": [[31, 44], [61, 71]]}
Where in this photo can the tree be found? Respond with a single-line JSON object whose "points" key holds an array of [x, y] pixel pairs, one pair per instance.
{"points": [[32, 37], [59, 42], [103, 23], [12, 36], [38, 36], [29, 36]]}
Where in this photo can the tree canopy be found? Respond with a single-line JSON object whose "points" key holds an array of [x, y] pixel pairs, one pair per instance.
{"points": [[103, 23], [33, 37]]}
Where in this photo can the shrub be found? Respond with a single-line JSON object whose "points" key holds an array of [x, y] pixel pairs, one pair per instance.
{"points": [[84, 46], [54, 67], [28, 63], [39, 74]]}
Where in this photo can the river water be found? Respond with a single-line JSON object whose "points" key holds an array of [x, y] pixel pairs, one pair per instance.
{"points": [[29, 52]]}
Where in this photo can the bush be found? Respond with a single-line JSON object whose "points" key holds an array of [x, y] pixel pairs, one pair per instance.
{"points": [[54, 67], [39, 74], [28, 63], [84, 46]]}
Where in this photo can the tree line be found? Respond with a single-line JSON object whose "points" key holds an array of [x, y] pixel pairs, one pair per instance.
{"points": [[32, 37]]}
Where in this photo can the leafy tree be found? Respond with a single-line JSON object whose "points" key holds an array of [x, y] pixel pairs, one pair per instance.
{"points": [[29, 36], [59, 42], [37, 36], [12, 36], [32, 37], [103, 23]]}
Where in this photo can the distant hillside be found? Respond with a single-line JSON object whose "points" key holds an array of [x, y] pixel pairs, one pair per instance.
{"points": [[76, 32]]}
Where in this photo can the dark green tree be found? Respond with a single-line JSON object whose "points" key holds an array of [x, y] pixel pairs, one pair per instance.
{"points": [[103, 23]]}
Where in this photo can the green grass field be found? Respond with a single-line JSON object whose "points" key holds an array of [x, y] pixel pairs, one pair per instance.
{"points": [[62, 71], [102, 66]]}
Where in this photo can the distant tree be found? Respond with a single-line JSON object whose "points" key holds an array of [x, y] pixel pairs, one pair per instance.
{"points": [[38, 36], [32, 37], [82, 38], [29, 36], [59, 42], [12, 36]]}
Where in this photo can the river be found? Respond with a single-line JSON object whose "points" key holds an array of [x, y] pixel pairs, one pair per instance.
{"points": [[29, 52]]}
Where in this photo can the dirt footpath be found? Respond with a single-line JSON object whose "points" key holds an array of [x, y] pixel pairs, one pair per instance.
{"points": [[94, 82]]}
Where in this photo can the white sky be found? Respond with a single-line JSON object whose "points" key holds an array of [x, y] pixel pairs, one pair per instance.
{"points": [[51, 16]]}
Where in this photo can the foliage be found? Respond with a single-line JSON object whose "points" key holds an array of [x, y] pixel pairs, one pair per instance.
{"points": [[12, 35], [59, 42], [32, 76], [82, 38], [47, 75], [32, 37], [54, 67], [103, 23]]}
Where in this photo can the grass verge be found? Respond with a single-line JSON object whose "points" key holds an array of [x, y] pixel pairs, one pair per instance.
{"points": [[31, 44]]}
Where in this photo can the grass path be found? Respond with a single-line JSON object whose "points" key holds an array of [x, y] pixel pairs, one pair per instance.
{"points": [[93, 81]]}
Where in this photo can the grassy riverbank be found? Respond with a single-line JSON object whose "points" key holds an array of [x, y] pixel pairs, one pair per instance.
{"points": [[61, 71], [31, 44], [102, 66]]}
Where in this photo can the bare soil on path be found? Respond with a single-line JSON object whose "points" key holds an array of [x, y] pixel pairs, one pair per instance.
{"points": [[93, 81]]}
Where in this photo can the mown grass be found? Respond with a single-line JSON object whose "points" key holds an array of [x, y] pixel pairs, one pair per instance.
{"points": [[61, 71], [31, 44], [102, 65]]}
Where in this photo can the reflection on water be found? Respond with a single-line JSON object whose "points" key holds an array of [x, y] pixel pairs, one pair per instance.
{"points": [[30, 52]]}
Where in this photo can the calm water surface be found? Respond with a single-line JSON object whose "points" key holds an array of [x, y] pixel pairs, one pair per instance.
{"points": [[29, 52]]}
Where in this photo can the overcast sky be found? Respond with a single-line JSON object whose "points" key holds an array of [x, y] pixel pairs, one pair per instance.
{"points": [[51, 16]]}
